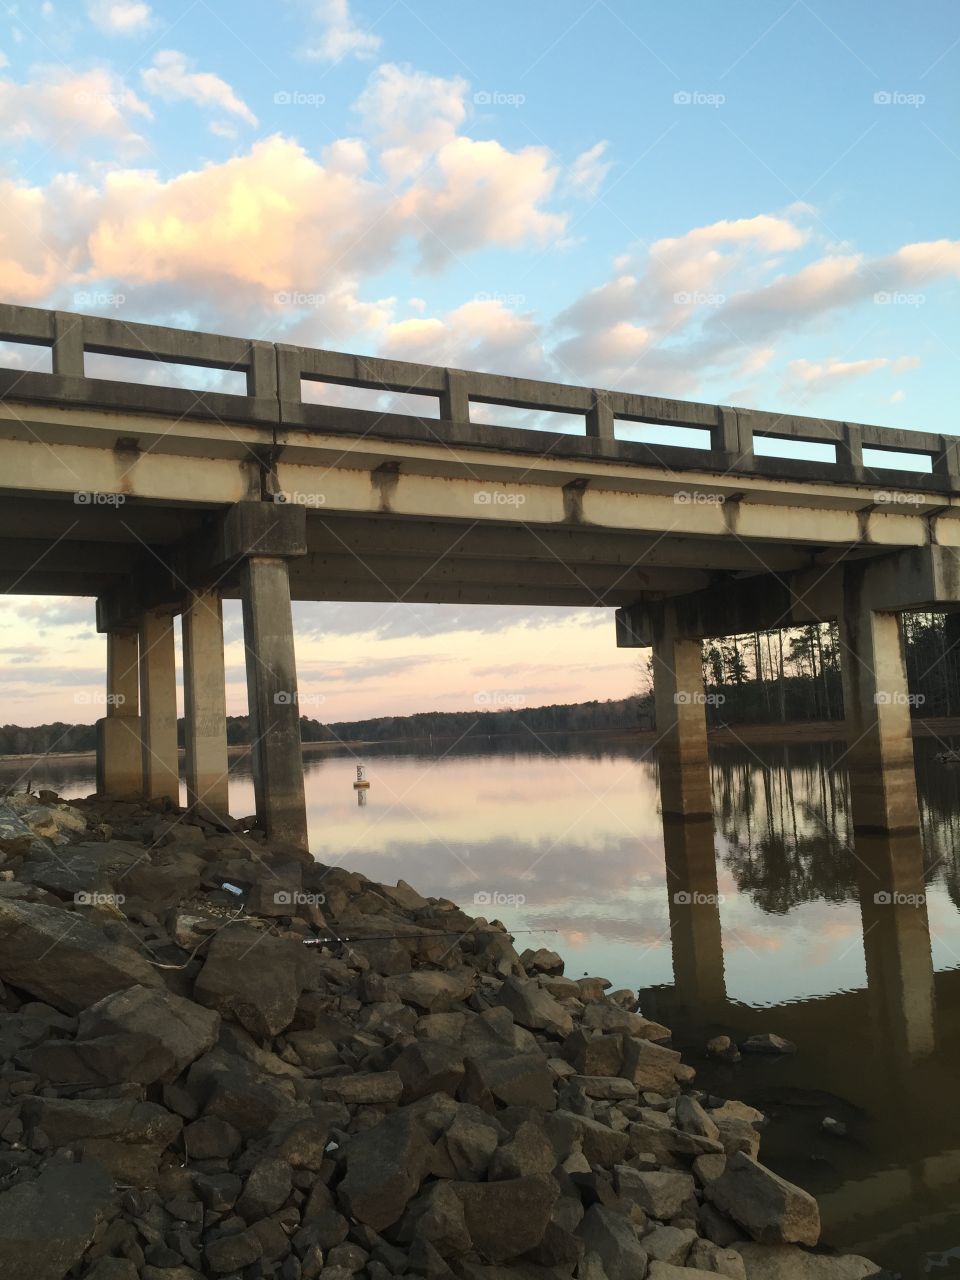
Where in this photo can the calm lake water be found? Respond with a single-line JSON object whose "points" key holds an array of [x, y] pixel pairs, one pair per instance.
{"points": [[774, 918]]}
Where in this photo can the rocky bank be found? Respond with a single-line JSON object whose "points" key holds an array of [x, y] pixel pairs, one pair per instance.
{"points": [[222, 1058]]}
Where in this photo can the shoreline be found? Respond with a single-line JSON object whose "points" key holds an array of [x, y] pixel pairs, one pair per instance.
{"points": [[795, 731]]}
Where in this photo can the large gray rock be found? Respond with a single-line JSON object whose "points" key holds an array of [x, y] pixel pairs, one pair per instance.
{"points": [[144, 1035], [788, 1262], [433, 990], [252, 978], [64, 959], [662, 1193], [535, 1008], [46, 1225], [385, 1166], [650, 1066], [511, 1079], [610, 1235], [770, 1209], [506, 1219]]}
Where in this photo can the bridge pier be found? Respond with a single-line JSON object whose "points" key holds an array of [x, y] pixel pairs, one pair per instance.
{"points": [[119, 763], [158, 706], [681, 722], [879, 759], [866, 598], [204, 705], [272, 698]]}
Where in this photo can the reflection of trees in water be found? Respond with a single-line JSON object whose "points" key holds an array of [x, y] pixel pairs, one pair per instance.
{"points": [[784, 815], [784, 818]]}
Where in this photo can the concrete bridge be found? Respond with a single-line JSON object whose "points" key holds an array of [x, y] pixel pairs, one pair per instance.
{"points": [[163, 500]]}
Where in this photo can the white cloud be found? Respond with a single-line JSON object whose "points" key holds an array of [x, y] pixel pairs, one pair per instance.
{"points": [[585, 176], [815, 376], [120, 17], [705, 302], [170, 78], [340, 37], [65, 108]]}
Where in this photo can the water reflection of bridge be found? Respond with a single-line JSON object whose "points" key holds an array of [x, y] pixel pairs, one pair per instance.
{"points": [[887, 1053]]}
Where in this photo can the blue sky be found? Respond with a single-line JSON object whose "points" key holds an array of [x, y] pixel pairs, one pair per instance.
{"points": [[751, 203]]}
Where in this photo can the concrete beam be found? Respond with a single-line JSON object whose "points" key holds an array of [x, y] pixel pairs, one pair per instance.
{"points": [[158, 706], [204, 705], [272, 699]]}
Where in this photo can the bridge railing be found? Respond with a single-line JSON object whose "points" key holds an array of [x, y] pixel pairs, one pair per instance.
{"points": [[275, 374]]}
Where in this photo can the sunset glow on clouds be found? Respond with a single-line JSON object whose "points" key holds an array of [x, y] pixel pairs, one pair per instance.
{"points": [[545, 195]]}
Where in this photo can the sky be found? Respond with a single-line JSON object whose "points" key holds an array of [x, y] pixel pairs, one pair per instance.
{"points": [[751, 204]]}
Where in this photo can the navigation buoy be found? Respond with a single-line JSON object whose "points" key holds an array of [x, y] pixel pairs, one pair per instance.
{"points": [[361, 783]]}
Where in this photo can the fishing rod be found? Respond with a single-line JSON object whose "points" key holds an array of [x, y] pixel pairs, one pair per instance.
{"points": [[415, 937]]}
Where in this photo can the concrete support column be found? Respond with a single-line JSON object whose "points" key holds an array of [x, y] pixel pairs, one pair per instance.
{"points": [[694, 909], [205, 709], [272, 696], [879, 755], [119, 764], [681, 724], [158, 706], [896, 944]]}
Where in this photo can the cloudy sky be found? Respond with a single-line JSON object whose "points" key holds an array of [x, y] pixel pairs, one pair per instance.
{"points": [[753, 204]]}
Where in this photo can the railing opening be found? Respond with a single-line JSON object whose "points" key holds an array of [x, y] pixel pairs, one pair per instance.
{"points": [[657, 434], [370, 399], [508, 415], [789, 447], [30, 357], [164, 373], [897, 460]]}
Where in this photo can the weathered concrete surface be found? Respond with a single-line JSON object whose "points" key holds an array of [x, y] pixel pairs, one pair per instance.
{"points": [[273, 701], [119, 758], [204, 699], [158, 706]]}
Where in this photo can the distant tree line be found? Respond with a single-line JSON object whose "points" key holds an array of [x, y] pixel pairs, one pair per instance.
{"points": [[794, 674], [625, 714]]}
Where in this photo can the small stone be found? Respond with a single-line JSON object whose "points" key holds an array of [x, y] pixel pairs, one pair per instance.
{"points": [[723, 1048], [231, 1253], [836, 1128], [211, 1139], [767, 1042], [669, 1244]]}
